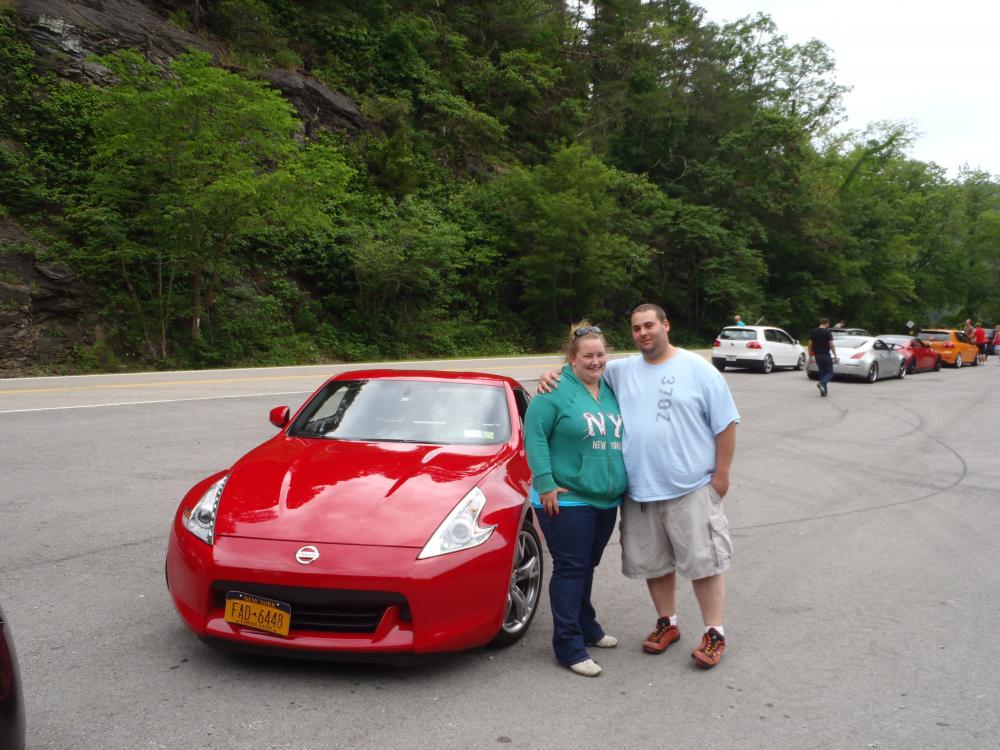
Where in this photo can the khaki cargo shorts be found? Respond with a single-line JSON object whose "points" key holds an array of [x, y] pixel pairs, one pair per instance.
{"points": [[687, 534]]}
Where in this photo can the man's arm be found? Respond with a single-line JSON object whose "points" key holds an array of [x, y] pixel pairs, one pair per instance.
{"points": [[725, 448], [548, 381]]}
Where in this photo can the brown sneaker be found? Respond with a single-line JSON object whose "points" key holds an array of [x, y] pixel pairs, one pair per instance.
{"points": [[662, 636], [713, 644]]}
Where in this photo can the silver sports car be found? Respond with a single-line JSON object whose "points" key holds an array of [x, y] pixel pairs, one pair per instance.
{"points": [[864, 357]]}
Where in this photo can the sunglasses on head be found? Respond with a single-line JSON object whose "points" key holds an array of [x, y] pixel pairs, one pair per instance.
{"points": [[585, 330]]}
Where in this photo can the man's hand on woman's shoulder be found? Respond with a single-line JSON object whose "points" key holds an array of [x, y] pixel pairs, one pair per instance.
{"points": [[548, 381]]}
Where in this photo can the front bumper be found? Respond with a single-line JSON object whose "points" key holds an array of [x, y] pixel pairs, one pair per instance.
{"points": [[447, 603]]}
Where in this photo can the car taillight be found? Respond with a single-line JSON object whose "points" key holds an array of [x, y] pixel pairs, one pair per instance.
{"points": [[949, 345], [859, 355], [753, 345], [717, 343]]}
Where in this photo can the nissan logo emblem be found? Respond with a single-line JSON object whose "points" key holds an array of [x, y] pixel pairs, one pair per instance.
{"points": [[307, 554]]}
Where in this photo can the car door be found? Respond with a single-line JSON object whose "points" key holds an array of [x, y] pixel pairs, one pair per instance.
{"points": [[967, 348], [887, 359], [790, 345], [923, 354], [776, 347]]}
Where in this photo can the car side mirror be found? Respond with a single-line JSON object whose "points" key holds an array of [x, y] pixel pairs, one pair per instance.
{"points": [[279, 416]]}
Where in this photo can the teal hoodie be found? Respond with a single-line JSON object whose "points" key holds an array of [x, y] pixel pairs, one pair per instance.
{"points": [[575, 441]]}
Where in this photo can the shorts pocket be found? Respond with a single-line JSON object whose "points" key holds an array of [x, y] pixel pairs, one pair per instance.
{"points": [[722, 545]]}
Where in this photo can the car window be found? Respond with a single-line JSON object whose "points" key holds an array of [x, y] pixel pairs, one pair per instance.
{"points": [[406, 411], [963, 338], [738, 334], [934, 336], [771, 335], [521, 398], [897, 340], [851, 342], [783, 337]]}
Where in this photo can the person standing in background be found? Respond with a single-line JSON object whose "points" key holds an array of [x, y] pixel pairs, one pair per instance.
{"points": [[738, 320], [979, 336]]}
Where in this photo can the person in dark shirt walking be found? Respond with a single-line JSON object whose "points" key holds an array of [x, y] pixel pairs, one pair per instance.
{"points": [[821, 349]]}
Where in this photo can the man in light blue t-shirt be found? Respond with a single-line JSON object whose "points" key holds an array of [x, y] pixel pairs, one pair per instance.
{"points": [[679, 439]]}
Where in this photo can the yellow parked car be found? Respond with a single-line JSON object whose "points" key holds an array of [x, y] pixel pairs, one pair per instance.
{"points": [[953, 346]]}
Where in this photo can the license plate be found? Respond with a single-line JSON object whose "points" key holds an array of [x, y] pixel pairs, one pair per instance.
{"points": [[730, 358], [258, 612]]}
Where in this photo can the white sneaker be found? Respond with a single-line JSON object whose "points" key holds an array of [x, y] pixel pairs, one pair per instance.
{"points": [[608, 641], [587, 667]]}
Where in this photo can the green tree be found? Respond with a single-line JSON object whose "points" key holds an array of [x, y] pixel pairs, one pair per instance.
{"points": [[186, 166]]}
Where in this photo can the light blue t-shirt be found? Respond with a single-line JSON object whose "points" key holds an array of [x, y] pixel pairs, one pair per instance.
{"points": [[672, 413]]}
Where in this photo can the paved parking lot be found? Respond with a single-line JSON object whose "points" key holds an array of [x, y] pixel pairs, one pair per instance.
{"points": [[865, 585]]}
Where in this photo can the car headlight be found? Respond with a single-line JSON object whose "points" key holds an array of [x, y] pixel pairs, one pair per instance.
{"points": [[200, 520], [460, 529]]}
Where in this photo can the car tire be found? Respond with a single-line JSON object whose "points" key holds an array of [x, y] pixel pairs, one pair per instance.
{"points": [[912, 368], [902, 370], [720, 365], [958, 361], [975, 361], [801, 365], [525, 588], [767, 365], [812, 375], [937, 364], [872, 375]]}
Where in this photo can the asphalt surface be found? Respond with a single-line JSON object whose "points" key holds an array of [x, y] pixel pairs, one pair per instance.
{"points": [[861, 604]]}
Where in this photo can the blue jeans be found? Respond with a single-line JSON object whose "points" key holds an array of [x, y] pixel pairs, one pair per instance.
{"points": [[824, 363], [576, 539]]}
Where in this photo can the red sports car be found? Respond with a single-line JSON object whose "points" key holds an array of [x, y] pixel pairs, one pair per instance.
{"points": [[389, 516], [11, 696], [918, 355]]}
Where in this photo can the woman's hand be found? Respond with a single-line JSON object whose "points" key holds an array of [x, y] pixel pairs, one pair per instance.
{"points": [[550, 501]]}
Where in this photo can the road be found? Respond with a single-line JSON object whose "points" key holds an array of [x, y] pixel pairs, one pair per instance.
{"points": [[861, 603]]}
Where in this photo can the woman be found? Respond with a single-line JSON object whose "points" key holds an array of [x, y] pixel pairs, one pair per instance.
{"points": [[573, 438]]}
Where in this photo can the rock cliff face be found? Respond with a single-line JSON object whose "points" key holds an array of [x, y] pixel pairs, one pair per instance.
{"points": [[67, 34], [43, 315]]}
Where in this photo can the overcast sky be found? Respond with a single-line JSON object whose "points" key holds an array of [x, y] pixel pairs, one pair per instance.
{"points": [[934, 65]]}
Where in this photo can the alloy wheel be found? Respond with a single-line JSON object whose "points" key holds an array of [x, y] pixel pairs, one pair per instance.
{"points": [[525, 584], [872, 373]]}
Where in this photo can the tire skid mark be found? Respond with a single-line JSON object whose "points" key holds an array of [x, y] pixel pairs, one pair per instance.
{"points": [[919, 427]]}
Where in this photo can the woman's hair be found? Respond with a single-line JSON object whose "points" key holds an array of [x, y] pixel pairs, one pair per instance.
{"points": [[572, 343]]}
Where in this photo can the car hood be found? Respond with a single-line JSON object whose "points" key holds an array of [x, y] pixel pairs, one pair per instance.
{"points": [[340, 492]]}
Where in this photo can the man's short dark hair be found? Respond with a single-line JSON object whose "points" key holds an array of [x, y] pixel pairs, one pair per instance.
{"points": [[650, 307], [824, 320]]}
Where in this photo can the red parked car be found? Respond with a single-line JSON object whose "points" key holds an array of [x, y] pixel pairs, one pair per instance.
{"points": [[919, 356], [389, 516], [11, 697]]}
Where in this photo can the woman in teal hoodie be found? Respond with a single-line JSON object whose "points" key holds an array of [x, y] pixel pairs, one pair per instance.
{"points": [[573, 438]]}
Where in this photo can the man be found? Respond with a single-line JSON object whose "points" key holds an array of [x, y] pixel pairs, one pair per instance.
{"points": [[680, 437], [738, 320], [821, 349], [968, 329], [979, 337]]}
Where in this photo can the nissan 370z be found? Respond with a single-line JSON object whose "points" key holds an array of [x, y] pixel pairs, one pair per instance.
{"points": [[388, 516]]}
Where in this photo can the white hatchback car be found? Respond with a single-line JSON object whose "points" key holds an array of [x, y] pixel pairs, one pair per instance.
{"points": [[757, 347]]}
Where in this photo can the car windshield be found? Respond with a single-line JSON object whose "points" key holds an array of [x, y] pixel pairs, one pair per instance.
{"points": [[408, 411], [934, 336], [738, 334], [897, 340], [851, 342]]}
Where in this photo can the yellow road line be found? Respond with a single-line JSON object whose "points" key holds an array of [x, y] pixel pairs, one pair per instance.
{"points": [[211, 381]]}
